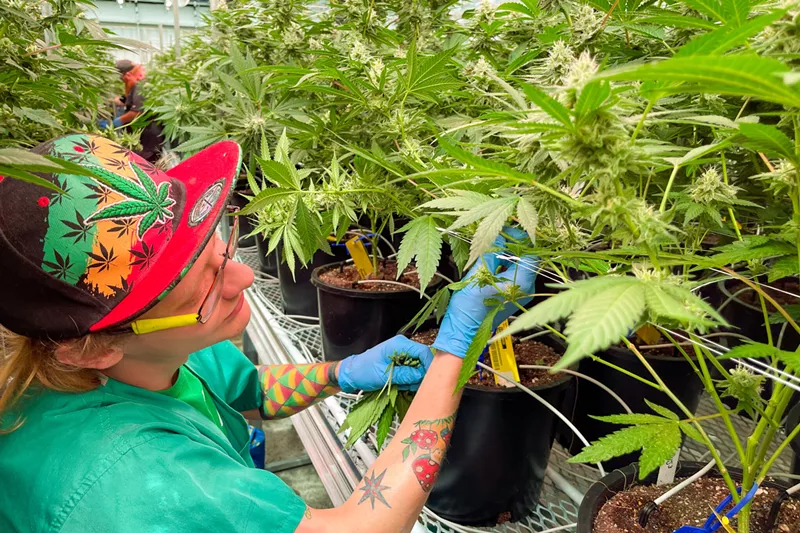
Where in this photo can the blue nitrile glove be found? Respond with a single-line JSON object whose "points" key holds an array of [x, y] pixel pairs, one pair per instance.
{"points": [[467, 307], [369, 371], [104, 124]]}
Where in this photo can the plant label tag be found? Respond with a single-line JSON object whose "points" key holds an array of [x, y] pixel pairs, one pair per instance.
{"points": [[666, 474], [360, 256], [503, 360], [648, 334]]}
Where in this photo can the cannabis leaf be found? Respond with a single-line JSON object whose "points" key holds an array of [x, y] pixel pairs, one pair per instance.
{"points": [[770, 140], [603, 320], [604, 309], [476, 347], [145, 201], [757, 350], [659, 437], [422, 242]]}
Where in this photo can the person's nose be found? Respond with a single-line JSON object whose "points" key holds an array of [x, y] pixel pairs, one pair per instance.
{"points": [[238, 277]]}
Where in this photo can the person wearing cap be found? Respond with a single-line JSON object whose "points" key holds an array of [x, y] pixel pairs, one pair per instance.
{"points": [[122, 401], [151, 137]]}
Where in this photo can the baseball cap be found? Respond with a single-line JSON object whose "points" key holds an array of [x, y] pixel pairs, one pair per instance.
{"points": [[124, 65], [107, 249]]}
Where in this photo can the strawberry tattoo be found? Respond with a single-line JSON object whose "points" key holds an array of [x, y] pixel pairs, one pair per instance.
{"points": [[446, 434], [426, 470], [430, 439], [424, 438]]}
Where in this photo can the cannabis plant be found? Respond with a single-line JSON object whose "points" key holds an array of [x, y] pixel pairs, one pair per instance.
{"points": [[56, 74]]}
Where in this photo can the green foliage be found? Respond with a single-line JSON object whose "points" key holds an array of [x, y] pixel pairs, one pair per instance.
{"points": [[605, 309], [658, 437], [758, 350], [642, 147], [379, 408], [56, 73], [423, 243], [476, 348]]}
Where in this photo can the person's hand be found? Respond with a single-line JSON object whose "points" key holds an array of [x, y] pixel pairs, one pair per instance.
{"points": [[104, 124], [468, 308], [369, 371]]}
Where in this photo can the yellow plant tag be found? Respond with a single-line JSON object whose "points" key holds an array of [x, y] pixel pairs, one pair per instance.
{"points": [[503, 360], [648, 334], [360, 256]]}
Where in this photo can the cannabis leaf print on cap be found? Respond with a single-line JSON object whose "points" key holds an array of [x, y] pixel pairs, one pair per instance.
{"points": [[143, 201]]}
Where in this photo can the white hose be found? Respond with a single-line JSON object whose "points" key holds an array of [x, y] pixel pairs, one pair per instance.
{"points": [[685, 483], [587, 378], [544, 402]]}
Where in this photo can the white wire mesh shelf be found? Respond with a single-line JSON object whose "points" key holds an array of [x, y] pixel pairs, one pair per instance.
{"points": [[556, 510]]}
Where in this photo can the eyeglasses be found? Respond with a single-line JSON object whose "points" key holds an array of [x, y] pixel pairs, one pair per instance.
{"points": [[212, 298]]}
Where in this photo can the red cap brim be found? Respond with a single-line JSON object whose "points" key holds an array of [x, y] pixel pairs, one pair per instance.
{"points": [[208, 178]]}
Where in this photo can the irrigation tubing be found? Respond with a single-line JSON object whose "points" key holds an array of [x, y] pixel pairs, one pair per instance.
{"points": [[587, 378], [555, 411]]}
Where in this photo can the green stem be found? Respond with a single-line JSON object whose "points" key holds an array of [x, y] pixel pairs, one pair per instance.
{"points": [[707, 440], [774, 457], [663, 206], [730, 209], [641, 120], [766, 320], [709, 384], [627, 373]]}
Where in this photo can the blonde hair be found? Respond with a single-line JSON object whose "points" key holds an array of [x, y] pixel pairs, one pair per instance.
{"points": [[26, 364]]}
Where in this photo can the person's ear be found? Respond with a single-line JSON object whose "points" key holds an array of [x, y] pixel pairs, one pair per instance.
{"points": [[77, 353]]}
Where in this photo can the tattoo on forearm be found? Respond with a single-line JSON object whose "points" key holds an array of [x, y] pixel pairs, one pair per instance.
{"points": [[427, 446], [373, 490], [289, 389]]}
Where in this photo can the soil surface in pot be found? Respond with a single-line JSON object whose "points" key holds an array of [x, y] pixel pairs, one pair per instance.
{"points": [[348, 278], [691, 506], [527, 353], [751, 297]]}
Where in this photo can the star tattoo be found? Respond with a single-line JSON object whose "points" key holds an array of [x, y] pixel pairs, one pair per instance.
{"points": [[373, 489]]}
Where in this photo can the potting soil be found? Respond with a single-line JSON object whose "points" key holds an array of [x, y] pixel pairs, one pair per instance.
{"points": [[526, 353], [425, 337], [691, 506], [348, 278]]}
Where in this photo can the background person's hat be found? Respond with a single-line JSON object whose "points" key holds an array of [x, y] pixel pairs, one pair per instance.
{"points": [[124, 66], [109, 249]]}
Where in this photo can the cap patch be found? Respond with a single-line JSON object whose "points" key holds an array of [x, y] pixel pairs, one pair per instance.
{"points": [[205, 204]]}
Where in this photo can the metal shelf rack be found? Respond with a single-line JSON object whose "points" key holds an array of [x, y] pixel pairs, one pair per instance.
{"points": [[279, 338]]}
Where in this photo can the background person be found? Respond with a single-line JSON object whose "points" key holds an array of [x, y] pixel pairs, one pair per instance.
{"points": [[151, 139]]}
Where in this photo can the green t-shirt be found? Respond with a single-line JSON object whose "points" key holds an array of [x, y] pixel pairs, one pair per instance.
{"points": [[128, 460], [189, 389]]}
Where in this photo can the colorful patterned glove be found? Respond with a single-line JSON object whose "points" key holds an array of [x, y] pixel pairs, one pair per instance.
{"points": [[369, 371], [467, 307]]}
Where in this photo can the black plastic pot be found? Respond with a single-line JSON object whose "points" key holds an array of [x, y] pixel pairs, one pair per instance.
{"points": [[299, 295], [267, 261], [626, 478], [352, 321], [589, 399], [748, 319], [245, 225], [499, 452]]}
